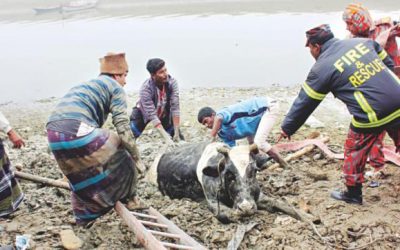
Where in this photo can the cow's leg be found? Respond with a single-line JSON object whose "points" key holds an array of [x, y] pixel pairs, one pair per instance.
{"points": [[273, 205], [265, 203], [223, 213]]}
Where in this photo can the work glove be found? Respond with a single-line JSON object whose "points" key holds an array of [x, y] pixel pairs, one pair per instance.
{"points": [[128, 141], [176, 134], [164, 135]]}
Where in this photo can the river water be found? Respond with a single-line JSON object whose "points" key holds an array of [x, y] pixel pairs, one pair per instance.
{"points": [[234, 44]]}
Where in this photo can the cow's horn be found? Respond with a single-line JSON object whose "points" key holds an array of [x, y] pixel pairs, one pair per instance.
{"points": [[253, 148], [223, 150]]}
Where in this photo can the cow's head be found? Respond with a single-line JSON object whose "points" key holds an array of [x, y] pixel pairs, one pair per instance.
{"points": [[235, 170]]}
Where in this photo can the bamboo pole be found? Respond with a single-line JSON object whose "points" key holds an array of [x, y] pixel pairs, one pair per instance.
{"points": [[297, 154], [46, 181]]}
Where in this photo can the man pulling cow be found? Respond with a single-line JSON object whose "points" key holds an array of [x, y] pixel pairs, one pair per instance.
{"points": [[158, 103], [353, 71], [99, 163], [252, 118]]}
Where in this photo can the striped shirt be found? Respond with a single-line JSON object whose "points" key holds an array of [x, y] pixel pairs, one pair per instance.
{"points": [[92, 101]]}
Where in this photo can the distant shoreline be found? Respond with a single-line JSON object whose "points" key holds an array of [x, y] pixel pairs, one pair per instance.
{"points": [[20, 10]]}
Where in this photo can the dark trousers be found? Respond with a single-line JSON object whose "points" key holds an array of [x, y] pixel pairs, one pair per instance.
{"points": [[137, 124]]}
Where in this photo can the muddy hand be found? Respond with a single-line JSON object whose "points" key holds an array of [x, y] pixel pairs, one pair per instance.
{"points": [[140, 166], [128, 141], [176, 137], [164, 134], [15, 139], [282, 135]]}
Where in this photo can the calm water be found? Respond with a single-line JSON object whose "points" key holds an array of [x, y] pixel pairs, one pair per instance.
{"points": [[43, 56]]}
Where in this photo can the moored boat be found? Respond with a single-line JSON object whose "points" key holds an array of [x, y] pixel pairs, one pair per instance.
{"points": [[79, 5], [41, 10]]}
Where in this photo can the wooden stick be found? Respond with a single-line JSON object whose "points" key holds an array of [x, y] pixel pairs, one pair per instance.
{"points": [[241, 230], [46, 181], [297, 154]]}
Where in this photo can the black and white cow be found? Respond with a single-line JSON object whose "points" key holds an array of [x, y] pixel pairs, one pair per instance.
{"points": [[225, 177]]}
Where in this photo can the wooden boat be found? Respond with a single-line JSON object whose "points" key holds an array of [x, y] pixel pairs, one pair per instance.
{"points": [[79, 5], [42, 10]]}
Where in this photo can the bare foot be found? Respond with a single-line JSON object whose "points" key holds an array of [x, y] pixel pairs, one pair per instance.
{"points": [[135, 203]]}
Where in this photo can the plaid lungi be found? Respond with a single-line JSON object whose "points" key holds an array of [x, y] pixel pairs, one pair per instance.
{"points": [[10, 192]]}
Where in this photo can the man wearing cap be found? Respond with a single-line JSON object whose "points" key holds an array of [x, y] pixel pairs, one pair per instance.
{"points": [[360, 24], [358, 72], [100, 164], [252, 119], [158, 103], [384, 31]]}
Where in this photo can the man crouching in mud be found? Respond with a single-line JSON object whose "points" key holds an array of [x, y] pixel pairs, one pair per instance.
{"points": [[353, 71], [252, 119], [100, 165]]}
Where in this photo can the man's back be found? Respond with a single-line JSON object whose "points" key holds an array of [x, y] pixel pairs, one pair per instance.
{"points": [[241, 119], [353, 71], [91, 102]]}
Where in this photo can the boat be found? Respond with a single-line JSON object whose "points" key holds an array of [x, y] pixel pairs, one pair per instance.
{"points": [[79, 5], [46, 9]]}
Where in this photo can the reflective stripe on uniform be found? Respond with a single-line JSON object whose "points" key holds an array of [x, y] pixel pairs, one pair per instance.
{"points": [[365, 106], [394, 76], [377, 123], [382, 55], [312, 93]]}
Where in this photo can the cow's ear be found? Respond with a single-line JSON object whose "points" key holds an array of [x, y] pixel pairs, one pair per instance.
{"points": [[223, 150], [215, 170]]}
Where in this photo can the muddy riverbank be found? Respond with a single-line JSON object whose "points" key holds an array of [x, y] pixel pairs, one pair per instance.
{"points": [[47, 210]]}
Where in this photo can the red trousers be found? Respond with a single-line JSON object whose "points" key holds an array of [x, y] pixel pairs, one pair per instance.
{"points": [[376, 157], [357, 148]]}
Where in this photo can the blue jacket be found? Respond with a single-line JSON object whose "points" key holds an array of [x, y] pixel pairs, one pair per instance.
{"points": [[358, 72], [241, 119]]}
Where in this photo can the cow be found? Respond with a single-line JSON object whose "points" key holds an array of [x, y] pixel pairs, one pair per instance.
{"points": [[225, 177]]}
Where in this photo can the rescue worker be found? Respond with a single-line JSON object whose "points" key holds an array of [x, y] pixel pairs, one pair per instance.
{"points": [[252, 119], [100, 164], [358, 72], [10, 191], [158, 103], [384, 31]]}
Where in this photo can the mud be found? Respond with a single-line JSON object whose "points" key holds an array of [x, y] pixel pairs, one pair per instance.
{"points": [[46, 211]]}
